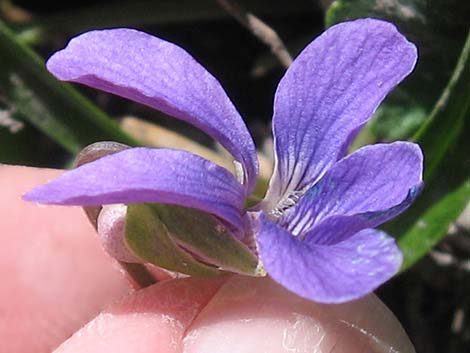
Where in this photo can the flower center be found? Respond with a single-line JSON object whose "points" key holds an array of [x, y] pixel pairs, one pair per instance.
{"points": [[287, 202]]}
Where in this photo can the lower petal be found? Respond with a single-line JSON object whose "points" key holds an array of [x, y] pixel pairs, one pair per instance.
{"points": [[328, 274]]}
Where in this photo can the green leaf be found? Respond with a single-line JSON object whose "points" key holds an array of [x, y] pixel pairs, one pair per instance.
{"points": [[396, 121], [447, 119], [433, 224], [428, 220], [53, 107], [438, 28], [149, 239], [444, 139], [203, 235]]}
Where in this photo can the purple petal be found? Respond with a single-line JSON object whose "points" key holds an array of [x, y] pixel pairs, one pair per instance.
{"points": [[140, 175], [329, 92], [335, 229], [376, 183], [328, 274], [151, 71]]}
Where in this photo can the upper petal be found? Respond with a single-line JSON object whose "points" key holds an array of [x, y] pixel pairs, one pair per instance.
{"points": [[151, 71], [140, 175], [328, 274], [375, 183], [329, 92]]}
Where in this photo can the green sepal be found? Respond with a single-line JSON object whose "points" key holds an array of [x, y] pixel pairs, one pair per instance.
{"points": [[149, 239], [205, 236], [185, 240]]}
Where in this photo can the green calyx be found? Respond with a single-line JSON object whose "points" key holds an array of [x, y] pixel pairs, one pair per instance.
{"points": [[186, 240]]}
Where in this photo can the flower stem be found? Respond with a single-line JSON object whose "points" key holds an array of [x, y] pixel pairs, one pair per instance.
{"points": [[259, 29], [139, 275]]}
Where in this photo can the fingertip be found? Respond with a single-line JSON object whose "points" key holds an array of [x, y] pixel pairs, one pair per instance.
{"points": [[258, 315], [55, 275], [152, 320]]}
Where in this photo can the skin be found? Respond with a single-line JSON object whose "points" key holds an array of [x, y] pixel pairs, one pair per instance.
{"points": [[61, 291]]}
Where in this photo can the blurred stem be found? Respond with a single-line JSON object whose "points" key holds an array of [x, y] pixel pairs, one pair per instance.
{"points": [[139, 274], [259, 29]]}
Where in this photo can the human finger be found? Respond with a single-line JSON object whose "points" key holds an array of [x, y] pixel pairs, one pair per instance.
{"points": [[249, 315], [258, 315], [55, 276], [152, 320]]}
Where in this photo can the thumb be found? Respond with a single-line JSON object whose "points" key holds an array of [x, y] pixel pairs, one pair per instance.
{"points": [[55, 276], [152, 320], [258, 315], [238, 315]]}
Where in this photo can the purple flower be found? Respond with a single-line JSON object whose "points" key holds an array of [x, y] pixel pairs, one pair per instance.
{"points": [[314, 229]]}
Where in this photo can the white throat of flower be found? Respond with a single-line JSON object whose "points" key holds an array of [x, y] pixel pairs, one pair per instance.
{"points": [[239, 173], [286, 202]]}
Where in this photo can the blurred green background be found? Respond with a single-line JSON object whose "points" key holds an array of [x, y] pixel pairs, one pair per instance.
{"points": [[45, 123]]}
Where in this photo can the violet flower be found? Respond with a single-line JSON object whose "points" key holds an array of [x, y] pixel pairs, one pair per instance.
{"points": [[314, 230]]}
